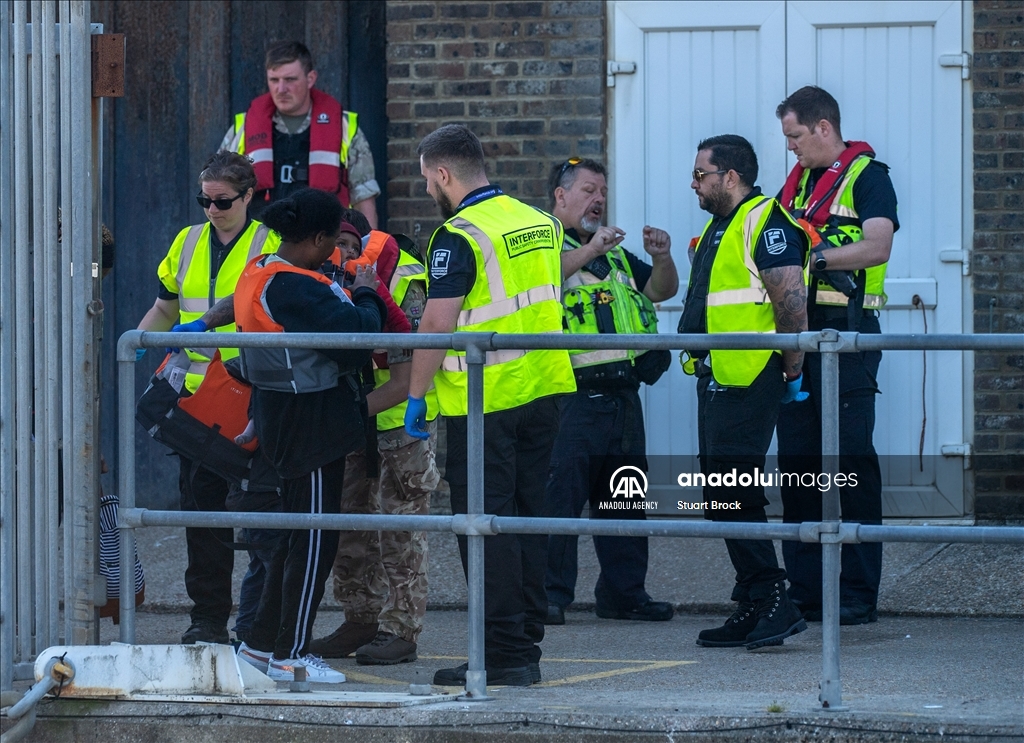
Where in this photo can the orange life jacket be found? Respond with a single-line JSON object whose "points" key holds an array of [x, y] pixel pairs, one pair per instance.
{"points": [[296, 370]]}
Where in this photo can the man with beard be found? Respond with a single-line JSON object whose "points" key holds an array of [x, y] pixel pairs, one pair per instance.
{"points": [[493, 266], [747, 276], [605, 289]]}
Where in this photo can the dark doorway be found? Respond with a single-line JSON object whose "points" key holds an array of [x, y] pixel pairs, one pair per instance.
{"points": [[189, 68]]}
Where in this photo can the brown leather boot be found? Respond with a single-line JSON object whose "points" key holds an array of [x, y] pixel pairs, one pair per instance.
{"points": [[345, 640], [386, 649]]}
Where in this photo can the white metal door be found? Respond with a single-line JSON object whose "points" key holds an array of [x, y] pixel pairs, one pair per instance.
{"points": [[700, 72], [705, 69]]}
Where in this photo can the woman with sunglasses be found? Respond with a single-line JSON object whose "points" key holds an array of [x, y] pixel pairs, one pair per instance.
{"points": [[201, 267]]}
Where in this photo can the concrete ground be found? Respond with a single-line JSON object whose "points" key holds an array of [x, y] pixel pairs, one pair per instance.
{"points": [[946, 659]]}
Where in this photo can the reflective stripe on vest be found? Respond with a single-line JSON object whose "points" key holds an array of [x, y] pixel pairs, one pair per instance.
{"points": [[516, 291], [737, 301], [198, 291], [844, 218], [295, 370]]}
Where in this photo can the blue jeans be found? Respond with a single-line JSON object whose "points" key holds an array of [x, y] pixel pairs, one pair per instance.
{"points": [[260, 554]]}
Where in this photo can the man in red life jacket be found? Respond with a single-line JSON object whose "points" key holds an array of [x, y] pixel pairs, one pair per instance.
{"points": [[846, 200], [298, 136]]}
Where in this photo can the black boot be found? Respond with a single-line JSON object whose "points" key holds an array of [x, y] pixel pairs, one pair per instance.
{"points": [[734, 632], [777, 619]]}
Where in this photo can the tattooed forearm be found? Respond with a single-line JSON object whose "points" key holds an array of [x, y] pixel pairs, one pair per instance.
{"points": [[221, 314], [788, 295]]}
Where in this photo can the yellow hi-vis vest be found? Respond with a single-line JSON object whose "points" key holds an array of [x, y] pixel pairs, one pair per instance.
{"points": [[737, 301], [407, 271], [844, 227], [516, 290], [583, 294], [185, 271]]}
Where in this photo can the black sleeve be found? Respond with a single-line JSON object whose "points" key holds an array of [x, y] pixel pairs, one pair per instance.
{"points": [[780, 244], [451, 264], [303, 305], [641, 271], [874, 196], [163, 293]]}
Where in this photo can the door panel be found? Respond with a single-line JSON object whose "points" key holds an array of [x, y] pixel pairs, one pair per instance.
{"points": [[700, 73], [705, 69], [880, 61]]}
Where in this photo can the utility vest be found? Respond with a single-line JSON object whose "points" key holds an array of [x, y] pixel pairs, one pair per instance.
{"points": [[737, 301], [295, 370], [613, 304], [331, 131], [406, 272], [187, 267], [516, 290], [842, 228]]}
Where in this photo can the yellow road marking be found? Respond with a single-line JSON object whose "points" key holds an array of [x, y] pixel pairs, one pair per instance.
{"points": [[656, 665], [369, 678], [546, 659], [631, 666]]}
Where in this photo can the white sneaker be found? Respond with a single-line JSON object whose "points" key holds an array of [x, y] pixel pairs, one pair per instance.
{"points": [[255, 658], [317, 671]]}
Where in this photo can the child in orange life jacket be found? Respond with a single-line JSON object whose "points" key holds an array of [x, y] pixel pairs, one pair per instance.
{"points": [[306, 413]]}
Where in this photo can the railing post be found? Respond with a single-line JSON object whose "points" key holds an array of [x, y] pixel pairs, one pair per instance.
{"points": [[8, 428], [831, 695], [126, 477], [476, 675]]}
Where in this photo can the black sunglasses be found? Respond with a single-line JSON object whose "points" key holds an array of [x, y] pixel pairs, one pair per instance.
{"points": [[572, 162], [698, 174], [222, 204]]}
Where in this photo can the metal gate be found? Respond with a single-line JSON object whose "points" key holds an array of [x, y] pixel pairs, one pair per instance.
{"points": [[49, 319]]}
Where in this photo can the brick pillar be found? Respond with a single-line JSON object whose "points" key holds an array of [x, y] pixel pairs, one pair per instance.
{"points": [[998, 266], [527, 77]]}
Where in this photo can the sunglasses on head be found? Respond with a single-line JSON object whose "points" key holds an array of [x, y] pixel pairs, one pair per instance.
{"points": [[222, 204], [572, 162], [698, 174]]}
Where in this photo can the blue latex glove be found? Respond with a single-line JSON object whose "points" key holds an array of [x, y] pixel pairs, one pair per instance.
{"points": [[416, 418], [139, 353], [793, 392], [196, 326]]}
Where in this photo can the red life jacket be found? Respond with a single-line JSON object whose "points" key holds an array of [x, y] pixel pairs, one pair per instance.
{"points": [[816, 206], [326, 171]]}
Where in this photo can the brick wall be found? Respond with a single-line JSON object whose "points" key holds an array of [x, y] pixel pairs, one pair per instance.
{"points": [[998, 269], [527, 77]]}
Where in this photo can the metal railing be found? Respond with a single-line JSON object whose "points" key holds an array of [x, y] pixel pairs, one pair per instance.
{"points": [[49, 320], [477, 525]]}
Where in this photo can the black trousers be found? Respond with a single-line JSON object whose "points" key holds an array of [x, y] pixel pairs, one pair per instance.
{"points": [[735, 426], [800, 451], [600, 430], [300, 565], [517, 453], [210, 557]]}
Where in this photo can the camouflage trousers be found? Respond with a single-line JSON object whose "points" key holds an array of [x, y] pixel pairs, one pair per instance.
{"points": [[382, 576]]}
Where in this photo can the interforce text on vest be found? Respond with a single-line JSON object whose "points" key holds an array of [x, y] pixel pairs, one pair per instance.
{"points": [[821, 480]]}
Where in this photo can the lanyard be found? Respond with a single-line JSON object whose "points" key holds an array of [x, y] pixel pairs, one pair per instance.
{"points": [[478, 197]]}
